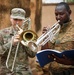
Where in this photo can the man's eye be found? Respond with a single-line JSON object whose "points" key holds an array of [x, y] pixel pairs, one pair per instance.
{"points": [[56, 14], [15, 19]]}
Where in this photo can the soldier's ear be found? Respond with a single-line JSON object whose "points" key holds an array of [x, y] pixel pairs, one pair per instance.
{"points": [[10, 18], [70, 11]]}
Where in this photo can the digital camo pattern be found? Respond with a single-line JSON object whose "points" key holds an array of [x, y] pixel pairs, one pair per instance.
{"points": [[22, 62]]}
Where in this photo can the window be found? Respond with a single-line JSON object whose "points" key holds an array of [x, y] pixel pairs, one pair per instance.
{"points": [[51, 1], [56, 1]]}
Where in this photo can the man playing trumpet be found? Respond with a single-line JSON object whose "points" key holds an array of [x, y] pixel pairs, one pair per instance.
{"points": [[64, 41], [10, 38]]}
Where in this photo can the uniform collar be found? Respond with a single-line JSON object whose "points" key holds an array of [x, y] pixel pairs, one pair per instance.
{"points": [[65, 26]]}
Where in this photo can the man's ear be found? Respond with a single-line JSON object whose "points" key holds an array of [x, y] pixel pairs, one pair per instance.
{"points": [[70, 11], [10, 18]]}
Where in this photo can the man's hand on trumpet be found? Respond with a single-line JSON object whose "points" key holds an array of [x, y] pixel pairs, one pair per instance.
{"points": [[44, 29]]}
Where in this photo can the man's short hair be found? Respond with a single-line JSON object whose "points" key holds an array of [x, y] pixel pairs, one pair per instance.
{"points": [[65, 4]]}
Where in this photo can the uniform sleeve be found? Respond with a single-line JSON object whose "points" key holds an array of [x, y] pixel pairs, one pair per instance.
{"points": [[42, 70], [68, 40], [3, 46]]}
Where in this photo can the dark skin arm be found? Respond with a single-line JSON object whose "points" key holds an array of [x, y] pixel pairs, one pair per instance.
{"points": [[63, 60], [46, 45]]}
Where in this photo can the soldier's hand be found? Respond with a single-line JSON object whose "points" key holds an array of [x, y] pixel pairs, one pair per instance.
{"points": [[44, 29]]}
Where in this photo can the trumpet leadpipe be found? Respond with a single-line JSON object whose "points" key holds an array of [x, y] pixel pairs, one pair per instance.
{"points": [[42, 37]]}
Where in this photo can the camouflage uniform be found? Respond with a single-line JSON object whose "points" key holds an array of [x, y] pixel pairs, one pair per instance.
{"points": [[65, 41], [22, 62]]}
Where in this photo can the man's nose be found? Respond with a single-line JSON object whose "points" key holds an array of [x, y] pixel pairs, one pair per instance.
{"points": [[17, 21], [58, 16]]}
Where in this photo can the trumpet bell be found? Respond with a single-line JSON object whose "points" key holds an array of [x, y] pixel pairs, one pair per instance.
{"points": [[32, 45], [28, 36]]}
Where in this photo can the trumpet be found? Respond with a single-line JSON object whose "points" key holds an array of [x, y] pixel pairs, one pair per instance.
{"points": [[44, 38], [25, 37]]}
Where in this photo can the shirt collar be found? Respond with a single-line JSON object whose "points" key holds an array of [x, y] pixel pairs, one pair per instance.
{"points": [[65, 26]]}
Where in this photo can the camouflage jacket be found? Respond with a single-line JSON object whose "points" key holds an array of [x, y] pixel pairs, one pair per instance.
{"points": [[22, 61], [64, 41]]}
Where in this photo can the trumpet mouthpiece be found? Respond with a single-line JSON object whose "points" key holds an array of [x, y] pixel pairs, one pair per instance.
{"points": [[58, 20]]}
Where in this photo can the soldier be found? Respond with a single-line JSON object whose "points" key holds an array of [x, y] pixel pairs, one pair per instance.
{"points": [[65, 41], [10, 36]]}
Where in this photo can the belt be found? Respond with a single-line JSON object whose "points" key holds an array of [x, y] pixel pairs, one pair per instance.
{"points": [[69, 71]]}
